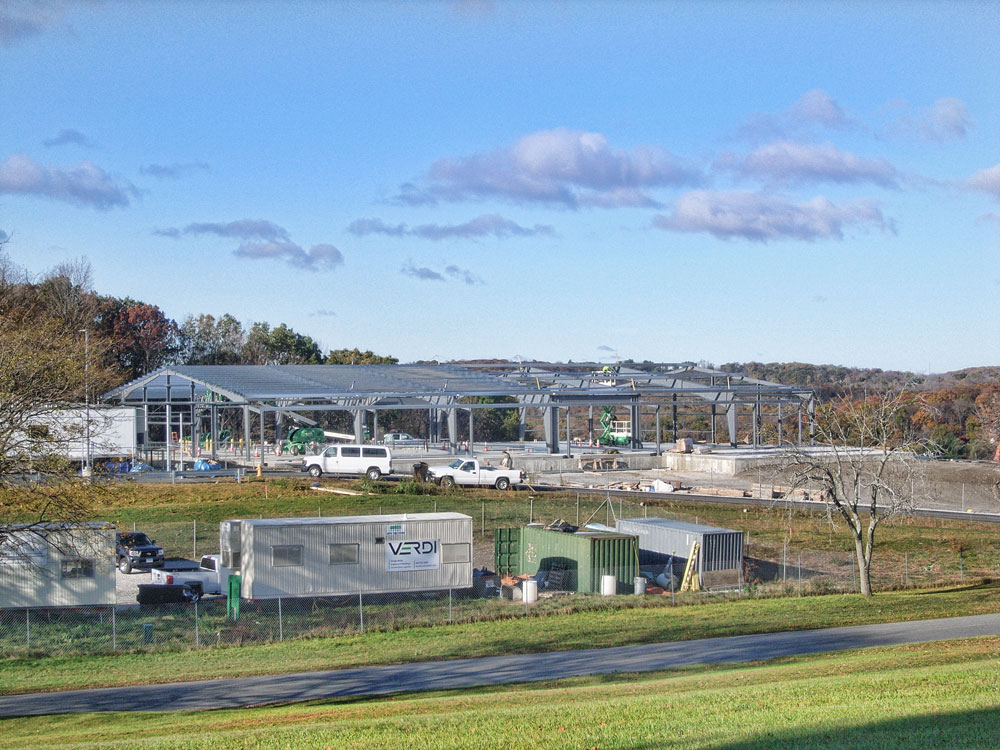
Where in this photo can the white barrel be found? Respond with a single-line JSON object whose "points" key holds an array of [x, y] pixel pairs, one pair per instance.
{"points": [[609, 585], [530, 591], [640, 585]]}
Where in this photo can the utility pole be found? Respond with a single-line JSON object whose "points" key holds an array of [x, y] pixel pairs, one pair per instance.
{"points": [[88, 468]]}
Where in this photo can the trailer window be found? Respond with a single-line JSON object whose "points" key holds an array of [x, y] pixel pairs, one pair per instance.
{"points": [[455, 553], [286, 555], [343, 554], [352, 452], [76, 568]]}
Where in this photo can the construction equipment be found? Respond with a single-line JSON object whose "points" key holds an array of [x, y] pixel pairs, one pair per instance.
{"points": [[616, 431], [302, 440], [690, 580]]}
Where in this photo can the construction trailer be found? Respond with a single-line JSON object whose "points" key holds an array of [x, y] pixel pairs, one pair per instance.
{"points": [[57, 565], [571, 561], [399, 553], [663, 541], [115, 432]]}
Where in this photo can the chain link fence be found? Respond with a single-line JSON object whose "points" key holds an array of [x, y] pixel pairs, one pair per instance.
{"points": [[775, 564]]}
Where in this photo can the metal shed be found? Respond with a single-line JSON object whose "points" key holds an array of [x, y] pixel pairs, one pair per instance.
{"points": [[352, 554], [661, 538], [57, 565], [578, 560]]}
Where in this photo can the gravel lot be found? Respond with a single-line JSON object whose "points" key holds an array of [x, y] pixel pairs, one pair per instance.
{"points": [[127, 586]]}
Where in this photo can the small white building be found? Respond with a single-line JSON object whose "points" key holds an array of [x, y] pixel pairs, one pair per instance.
{"points": [[410, 552], [115, 432], [57, 565]]}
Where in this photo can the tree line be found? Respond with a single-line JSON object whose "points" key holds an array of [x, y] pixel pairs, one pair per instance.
{"points": [[129, 338], [953, 414]]}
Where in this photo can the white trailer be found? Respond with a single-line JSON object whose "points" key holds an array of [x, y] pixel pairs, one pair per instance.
{"points": [[115, 432], [57, 565], [410, 552]]}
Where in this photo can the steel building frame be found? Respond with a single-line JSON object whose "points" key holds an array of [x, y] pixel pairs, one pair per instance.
{"points": [[194, 395]]}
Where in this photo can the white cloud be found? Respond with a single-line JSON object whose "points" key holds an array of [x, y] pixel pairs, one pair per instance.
{"points": [[421, 273], [786, 162], [814, 108], [68, 136], [85, 184], [986, 181], [244, 229], [464, 275], [486, 225], [762, 217], [819, 107], [563, 167], [263, 240], [318, 258], [947, 119], [20, 20], [173, 171]]}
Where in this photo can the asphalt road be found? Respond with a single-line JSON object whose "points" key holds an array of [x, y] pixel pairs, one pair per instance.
{"points": [[446, 675]]}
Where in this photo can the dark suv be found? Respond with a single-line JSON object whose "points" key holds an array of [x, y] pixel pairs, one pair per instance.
{"points": [[136, 550]]}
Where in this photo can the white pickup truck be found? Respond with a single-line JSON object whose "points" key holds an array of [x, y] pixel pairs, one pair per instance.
{"points": [[470, 472], [210, 577]]}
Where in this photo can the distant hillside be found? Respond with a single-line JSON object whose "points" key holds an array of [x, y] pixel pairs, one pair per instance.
{"points": [[837, 377]]}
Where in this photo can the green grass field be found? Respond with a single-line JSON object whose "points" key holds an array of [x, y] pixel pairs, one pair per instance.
{"points": [[927, 695], [600, 625]]}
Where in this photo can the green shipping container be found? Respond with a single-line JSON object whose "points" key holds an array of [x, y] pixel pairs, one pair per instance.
{"points": [[583, 557]]}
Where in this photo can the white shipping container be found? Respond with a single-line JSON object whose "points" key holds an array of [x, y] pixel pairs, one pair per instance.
{"points": [[354, 554]]}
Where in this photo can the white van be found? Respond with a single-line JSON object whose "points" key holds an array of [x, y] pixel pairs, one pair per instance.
{"points": [[371, 461]]}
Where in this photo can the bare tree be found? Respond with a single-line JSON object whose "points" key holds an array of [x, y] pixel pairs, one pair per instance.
{"points": [[863, 465], [41, 376]]}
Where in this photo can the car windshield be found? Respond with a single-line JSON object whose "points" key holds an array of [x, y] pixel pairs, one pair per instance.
{"points": [[136, 539], [456, 464]]}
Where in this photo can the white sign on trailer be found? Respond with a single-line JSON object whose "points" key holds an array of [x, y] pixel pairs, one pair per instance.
{"points": [[421, 554]]}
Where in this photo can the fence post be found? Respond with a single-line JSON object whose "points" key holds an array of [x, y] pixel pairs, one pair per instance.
{"points": [[449, 607], [800, 574], [784, 561], [361, 612], [27, 629], [197, 634], [531, 508], [483, 533], [670, 573], [281, 624], [906, 568], [194, 539], [114, 628], [577, 508]]}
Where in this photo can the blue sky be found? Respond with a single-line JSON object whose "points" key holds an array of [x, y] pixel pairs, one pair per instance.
{"points": [[711, 181]]}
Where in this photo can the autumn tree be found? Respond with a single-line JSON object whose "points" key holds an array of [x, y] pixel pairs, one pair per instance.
{"points": [[863, 465], [141, 338]]}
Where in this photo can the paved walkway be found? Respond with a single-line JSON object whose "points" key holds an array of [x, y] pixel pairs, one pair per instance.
{"points": [[444, 675]]}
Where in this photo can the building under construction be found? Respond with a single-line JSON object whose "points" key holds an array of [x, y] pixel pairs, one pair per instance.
{"points": [[558, 403]]}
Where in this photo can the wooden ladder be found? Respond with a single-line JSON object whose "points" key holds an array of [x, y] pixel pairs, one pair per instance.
{"points": [[690, 580]]}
